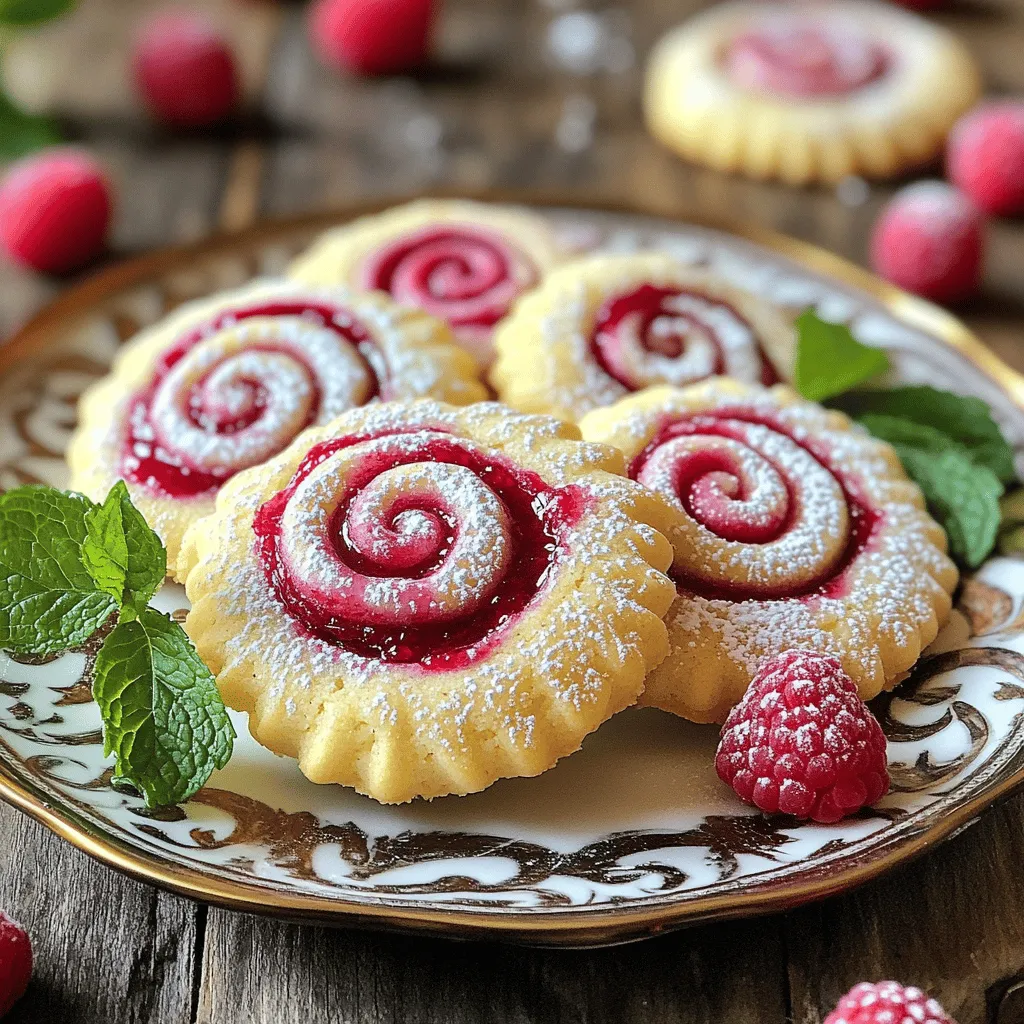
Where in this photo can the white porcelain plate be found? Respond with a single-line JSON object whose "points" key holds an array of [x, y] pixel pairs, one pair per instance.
{"points": [[633, 834]]}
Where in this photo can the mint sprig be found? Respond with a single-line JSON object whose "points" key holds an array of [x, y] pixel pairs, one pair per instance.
{"points": [[48, 599], [164, 719], [66, 565], [949, 444], [963, 493], [830, 360], [32, 12], [123, 555]]}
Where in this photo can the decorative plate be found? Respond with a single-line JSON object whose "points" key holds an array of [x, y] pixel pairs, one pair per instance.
{"points": [[556, 859]]}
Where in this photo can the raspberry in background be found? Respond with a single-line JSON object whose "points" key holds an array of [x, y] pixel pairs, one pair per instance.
{"points": [[371, 37], [985, 156], [54, 210], [802, 742], [929, 239], [15, 962], [184, 69], [887, 1002]]}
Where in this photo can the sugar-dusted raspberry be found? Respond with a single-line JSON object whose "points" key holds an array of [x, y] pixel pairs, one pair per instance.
{"points": [[802, 742], [887, 1002], [930, 240], [15, 962], [184, 69], [371, 37], [54, 210], [985, 156]]}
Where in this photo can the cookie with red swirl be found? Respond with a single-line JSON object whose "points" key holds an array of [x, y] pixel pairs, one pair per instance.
{"points": [[808, 92], [417, 600], [463, 261], [604, 326], [792, 527], [225, 383]]}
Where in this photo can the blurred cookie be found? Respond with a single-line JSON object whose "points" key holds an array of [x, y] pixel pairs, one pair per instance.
{"points": [[808, 92]]}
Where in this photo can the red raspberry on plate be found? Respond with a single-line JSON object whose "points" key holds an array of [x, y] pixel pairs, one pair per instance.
{"points": [[15, 962], [985, 156], [929, 240], [184, 69], [887, 1002], [801, 741], [54, 210], [371, 37]]}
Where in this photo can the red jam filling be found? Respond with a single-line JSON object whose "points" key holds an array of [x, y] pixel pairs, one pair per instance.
{"points": [[149, 463], [539, 517], [647, 304], [805, 60], [696, 475], [461, 273]]}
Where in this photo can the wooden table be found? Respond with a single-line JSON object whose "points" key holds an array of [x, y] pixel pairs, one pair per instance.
{"points": [[497, 110]]}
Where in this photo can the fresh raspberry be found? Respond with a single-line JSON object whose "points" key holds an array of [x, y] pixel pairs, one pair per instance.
{"points": [[54, 210], [371, 37], [801, 741], [15, 962], [985, 156], [184, 69], [929, 240], [887, 1002]]}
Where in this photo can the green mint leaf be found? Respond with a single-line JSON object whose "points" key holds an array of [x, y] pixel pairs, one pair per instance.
{"points": [[830, 360], [32, 12], [163, 717], [124, 556], [22, 133], [48, 599], [965, 419], [962, 494]]}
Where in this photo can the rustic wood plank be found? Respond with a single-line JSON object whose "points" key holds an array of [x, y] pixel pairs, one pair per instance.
{"points": [[950, 923], [106, 948], [271, 973]]}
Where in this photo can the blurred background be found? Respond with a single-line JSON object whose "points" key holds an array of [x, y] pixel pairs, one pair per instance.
{"points": [[541, 94]]}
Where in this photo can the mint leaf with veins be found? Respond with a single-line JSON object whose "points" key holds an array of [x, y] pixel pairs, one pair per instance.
{"points": [[124, 556], [48, 598], [962, 494], [164, 720], [965, 419], [830, 360]]}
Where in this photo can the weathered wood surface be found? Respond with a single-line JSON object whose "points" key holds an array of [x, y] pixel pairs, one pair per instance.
{"points": [[497, 110]]}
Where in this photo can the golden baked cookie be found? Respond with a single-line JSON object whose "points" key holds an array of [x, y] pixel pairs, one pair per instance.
{"points": [[463, 261], [604, 326], [418, 600], [792, 527], [225, 383], [808, 92]]}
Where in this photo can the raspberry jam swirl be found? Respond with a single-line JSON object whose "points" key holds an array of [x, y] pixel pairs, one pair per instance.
{"points": [[805, 59], [237, 389], [765, 515], [415, 547], [461, 273], [656, 335]]}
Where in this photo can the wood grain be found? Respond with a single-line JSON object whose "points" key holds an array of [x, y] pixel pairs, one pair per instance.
{"points": [[495, 109]]}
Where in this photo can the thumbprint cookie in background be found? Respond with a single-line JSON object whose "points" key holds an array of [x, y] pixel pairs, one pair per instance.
{"points": [[602, 327], [808, 92], [791, 527], [225, 383], [463, 261], [418, 600]]}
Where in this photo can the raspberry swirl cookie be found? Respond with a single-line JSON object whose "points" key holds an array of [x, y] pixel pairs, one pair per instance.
{"points": [[792, 527], [417, 600], [808, 92], [464, 262], [225, 383], [604, 326]]}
